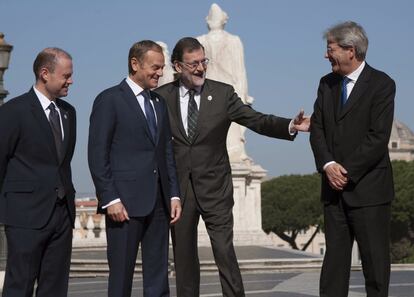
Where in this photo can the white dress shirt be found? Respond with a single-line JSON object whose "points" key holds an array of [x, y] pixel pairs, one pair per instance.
{"points": [[353, 77], [137, 92], [45, 102]]}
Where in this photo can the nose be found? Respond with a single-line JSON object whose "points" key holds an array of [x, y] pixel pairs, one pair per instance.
{"points": [[326, 55], [70, 80], [200, 66]]}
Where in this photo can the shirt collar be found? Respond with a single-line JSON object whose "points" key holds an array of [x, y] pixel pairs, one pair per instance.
{"points": [[134, 86], [354, 75], [44, 101], [184, 90]]}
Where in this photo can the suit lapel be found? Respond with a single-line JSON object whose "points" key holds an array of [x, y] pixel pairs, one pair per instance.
{"points": [[359, 89], [206, 105], [175, 106], [132, 101], [336, 93], [40, 116]]}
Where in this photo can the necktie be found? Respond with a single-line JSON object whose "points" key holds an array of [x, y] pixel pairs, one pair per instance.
{"points": [[192, 116], [54, 121], [344, 92], [150, 114]]}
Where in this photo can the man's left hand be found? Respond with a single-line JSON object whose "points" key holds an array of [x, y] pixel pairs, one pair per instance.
{"points": [[176, 211]]}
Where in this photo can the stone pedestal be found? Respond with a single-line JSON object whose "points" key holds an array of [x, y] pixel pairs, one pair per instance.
{"points": [[247, 179]]}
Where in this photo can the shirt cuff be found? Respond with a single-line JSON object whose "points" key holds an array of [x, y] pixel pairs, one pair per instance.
{"points": [[327, 164], [111, 203], [175, 198], [292, 131]]}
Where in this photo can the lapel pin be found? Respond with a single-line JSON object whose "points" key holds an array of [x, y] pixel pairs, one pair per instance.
{"points": [[65, 116], [209, 98], [156, 99]]}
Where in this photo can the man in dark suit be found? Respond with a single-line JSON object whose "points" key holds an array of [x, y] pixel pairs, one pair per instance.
{"points": [[133, 168], [38, 132], [350, 129], [201, 111]]}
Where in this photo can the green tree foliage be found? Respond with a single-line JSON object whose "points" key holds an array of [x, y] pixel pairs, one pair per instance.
{"points": [[291, 204], [402, 212]]}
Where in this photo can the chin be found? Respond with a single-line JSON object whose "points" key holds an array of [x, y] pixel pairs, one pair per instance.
{"points": [[198, 82]]}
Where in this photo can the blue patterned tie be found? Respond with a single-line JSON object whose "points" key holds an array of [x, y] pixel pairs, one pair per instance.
{"points": [[344, 92], [150, 114]]}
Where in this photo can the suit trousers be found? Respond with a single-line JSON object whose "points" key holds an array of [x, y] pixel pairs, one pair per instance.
{"points": [[123, 242], [370, 227], [41, 255], [219, 225]]}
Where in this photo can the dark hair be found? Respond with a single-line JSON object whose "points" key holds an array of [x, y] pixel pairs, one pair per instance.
{"points": [[139, 49], [185, 45], [48, 58]]}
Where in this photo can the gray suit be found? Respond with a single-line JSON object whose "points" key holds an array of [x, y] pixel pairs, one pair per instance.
{"points": [[205, 178]]}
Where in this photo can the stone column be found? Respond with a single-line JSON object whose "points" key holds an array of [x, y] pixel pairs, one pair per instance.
{"points": [[247, 179]]}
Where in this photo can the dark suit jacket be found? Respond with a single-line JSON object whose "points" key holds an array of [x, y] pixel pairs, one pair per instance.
{"points": [[356, 136], [124, 160], [29, 166], [206, 159]]}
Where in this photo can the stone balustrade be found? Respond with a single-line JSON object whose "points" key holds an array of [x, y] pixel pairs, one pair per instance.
{"points": [[89, 226]]}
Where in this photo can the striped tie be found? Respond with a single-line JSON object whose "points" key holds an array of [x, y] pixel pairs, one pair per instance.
{"points": [[192, 116]]}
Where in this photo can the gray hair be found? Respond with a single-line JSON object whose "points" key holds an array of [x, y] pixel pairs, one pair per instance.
{"points": [[349, 34]]}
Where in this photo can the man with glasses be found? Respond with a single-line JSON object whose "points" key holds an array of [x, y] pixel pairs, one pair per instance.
{"points": [[351, 126], [201, 111]]}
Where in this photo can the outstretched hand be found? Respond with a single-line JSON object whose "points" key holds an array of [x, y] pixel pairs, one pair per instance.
{"points": [[301, 122]]}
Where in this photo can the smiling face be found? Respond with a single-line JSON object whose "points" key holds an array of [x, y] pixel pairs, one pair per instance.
{"points": [[56, 83], [149, 70], [342, 59], [192, 68]]}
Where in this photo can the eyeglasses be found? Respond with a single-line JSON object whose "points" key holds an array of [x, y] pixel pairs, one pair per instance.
{"points": [[194, 65]]}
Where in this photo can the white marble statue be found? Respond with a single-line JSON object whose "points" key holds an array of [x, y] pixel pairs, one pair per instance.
{"points": [[168, 73], [225, 52]]}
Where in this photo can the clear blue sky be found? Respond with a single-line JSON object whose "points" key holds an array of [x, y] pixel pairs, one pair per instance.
{"points": [[283, 44]]}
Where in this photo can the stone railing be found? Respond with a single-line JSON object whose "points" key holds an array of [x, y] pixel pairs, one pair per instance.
{"points": [[89, 226]]}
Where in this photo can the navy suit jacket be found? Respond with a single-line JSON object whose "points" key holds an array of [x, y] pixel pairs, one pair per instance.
{"points": [[29, 166], [124, 160]]}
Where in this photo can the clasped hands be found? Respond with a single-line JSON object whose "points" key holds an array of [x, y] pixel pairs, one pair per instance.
{"points": [[118, 213], [337, 176]]}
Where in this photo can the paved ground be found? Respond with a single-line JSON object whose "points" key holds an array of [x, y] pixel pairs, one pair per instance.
{"points": [[257, 285], [205, 253]]}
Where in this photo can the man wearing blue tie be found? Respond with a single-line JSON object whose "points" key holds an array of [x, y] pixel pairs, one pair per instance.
{"points": [[133, 169], [350, 130]]}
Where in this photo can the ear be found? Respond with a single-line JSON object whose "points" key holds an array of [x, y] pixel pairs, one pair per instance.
{"points": [[352, 52], [44, 74], [177, 66], [135, 64]]}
